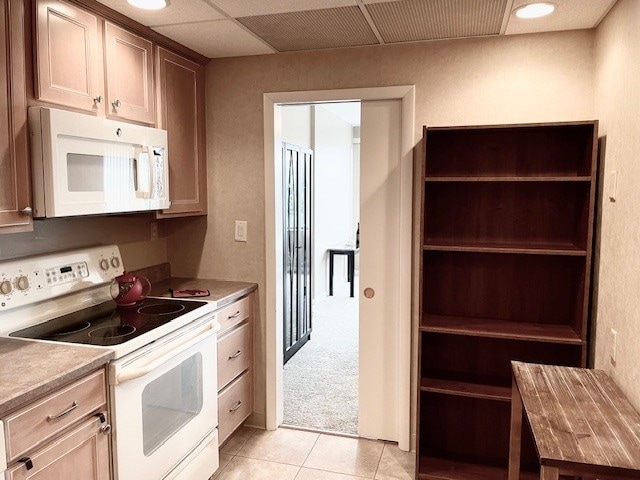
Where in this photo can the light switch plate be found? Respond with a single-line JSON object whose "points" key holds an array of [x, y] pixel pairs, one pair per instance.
{"points": [[241, 231]]}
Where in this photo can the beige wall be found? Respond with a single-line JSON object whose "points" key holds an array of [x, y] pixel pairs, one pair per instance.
{"points": [[528, 78], [132, 233], [617, 94]]}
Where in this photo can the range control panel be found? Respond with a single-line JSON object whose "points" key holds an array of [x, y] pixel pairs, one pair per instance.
{"points": [[25, 281]]}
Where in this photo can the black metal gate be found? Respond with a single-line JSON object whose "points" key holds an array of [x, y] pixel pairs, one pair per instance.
{"points": [[297, 166]]}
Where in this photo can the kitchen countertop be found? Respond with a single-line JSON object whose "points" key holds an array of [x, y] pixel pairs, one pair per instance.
{"points": [[30, 369], [223, 292]]}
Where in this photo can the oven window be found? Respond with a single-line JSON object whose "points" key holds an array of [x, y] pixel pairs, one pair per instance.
{"points": [[170, 402]]}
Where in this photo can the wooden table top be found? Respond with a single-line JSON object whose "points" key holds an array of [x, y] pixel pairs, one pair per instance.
{"points": [[579, 417]]}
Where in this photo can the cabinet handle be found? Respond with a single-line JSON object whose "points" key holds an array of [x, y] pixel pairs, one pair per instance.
{"points": [[117, 103], [98, 100], [236, 407], [73, 406], [105, 429], [27, 462], [27, 211], [235, 355], [235, 315]]}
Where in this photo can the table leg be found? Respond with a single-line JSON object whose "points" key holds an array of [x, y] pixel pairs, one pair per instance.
{"points": [[549, 473], [330, 273], [351, 266], [515, 438]]}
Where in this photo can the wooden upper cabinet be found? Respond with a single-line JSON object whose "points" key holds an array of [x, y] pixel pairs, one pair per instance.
{"points": [[68, 56], [15, 186], [181, 113], [129, 66]]}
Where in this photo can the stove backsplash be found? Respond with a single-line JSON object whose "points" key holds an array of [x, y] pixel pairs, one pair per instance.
{"points": [[132, 233]]}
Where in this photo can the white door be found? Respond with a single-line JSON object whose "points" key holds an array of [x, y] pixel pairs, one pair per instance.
{"points": [[380, 209]]}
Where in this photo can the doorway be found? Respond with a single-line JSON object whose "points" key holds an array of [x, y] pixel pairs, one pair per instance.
{"points": [[320, 380], [402, 314]]}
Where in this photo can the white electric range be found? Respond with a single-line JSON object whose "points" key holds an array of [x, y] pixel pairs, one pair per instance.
{"points": [[162, 382]]}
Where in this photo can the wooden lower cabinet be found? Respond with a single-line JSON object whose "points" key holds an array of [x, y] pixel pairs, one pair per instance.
{"points": [[15, 186], [235, 366], [181, 106], [64, 435], [81, 454]]}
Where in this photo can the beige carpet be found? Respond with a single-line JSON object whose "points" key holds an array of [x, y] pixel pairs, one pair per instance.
{"points": [[321, 380]]}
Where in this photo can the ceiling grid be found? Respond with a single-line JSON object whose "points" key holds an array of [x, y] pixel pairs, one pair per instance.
{"points": [[227, 28]]}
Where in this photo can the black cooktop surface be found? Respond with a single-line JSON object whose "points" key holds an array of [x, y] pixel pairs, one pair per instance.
{"points": [[106, 324]]}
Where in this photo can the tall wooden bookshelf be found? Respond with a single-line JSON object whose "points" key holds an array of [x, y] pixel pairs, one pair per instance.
{"points": [[505, 264]]}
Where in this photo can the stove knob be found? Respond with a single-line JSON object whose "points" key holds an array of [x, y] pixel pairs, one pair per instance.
{"points": [[22, 283], [104, 264], [5, 287], [115, 262]]}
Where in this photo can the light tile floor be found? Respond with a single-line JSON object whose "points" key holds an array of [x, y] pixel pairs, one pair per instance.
{"points": [[288, 454]]}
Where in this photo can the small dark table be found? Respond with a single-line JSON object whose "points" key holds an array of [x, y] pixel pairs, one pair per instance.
{"points": [[350, 252]]}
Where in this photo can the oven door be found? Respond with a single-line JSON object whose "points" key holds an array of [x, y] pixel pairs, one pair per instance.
{"points": [[164, 402]]}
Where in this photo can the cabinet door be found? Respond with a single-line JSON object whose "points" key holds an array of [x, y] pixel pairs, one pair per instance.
{"points": [[69, 60], [15, 191], [181, 113], [81, 454], [129, 65]]}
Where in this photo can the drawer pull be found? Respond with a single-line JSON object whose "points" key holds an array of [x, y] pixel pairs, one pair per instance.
{"points": [[235, 355], [236, 407], [27, 462], [73, 406], [235, 315]]}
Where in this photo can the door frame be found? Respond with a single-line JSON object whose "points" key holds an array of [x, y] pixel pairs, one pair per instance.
{"points": [[273, 243]]}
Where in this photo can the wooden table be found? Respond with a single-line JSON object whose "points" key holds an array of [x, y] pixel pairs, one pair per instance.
{"points": [[582, 424]]}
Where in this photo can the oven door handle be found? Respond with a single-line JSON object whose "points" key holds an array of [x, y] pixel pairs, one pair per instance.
{"points": [[168, 353]]}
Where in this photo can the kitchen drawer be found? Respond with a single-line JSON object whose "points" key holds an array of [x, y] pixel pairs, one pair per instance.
{"points": [[80, 454], [234, 354], [234, 314], [34, 424], [234, 405]]}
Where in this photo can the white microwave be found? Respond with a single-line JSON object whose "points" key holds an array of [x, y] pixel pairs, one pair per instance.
{"points": [[86, 165]]}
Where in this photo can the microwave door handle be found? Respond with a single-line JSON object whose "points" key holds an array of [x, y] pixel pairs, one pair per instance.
{"points": [[166, 354], [143, 173]]}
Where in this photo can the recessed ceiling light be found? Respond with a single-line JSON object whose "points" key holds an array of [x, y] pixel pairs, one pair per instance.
{"points": [[148, 4], [535, 10]]}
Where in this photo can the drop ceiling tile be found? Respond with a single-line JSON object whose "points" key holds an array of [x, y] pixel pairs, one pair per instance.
{"points": [[312, 29], [250, 8], [569, 15], [215, 39], [416, 20], [177, 11]]}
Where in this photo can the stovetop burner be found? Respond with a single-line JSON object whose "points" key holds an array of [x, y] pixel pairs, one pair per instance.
{"points": [[161, 309], [111, 335], [69, 329], [105, 324]]}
